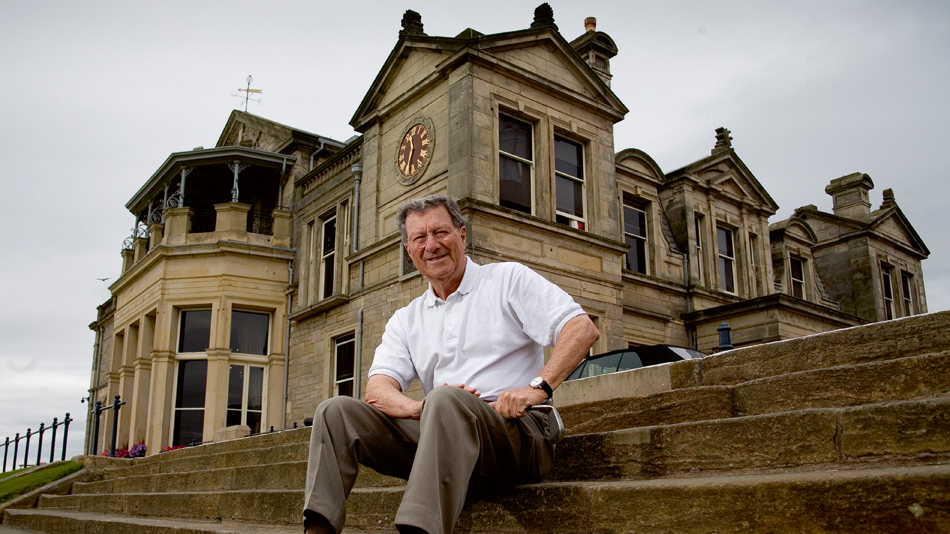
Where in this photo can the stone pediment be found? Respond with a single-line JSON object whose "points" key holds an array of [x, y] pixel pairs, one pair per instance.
{"points": [[540, 57], [726, 172], [797, 228], [892, 223], [639, 163]]}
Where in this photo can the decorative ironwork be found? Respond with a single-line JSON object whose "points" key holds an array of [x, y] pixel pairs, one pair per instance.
{"points": [[237, 168], [155, 211], [259, 223]]}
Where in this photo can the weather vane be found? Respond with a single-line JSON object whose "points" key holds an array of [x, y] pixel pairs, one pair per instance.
{"points": [[247, 93]]}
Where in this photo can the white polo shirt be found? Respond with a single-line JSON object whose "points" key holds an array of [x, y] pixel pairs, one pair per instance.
{"points": [[488, 334]]}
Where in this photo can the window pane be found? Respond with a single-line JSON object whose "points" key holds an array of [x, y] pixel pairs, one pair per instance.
{"points": [[570, 196], [254, 421], [725, 270], [329, 236], [235, 388], [515, 184], [249, 332], [189, 425], [192, 379], [797, 270], [345, 389], [255, 389], [328, 277], [195, 332], [514, 137], [568, 158], [234, 418], [725, 242], [636, 254], [345, 357], [634, 221]]}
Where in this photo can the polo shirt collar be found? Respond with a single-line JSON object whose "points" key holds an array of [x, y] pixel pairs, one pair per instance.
{"points": [[469, 281]]}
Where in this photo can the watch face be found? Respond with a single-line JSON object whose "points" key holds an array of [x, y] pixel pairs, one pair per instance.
{"points": [[413, 150], [536, 382]]}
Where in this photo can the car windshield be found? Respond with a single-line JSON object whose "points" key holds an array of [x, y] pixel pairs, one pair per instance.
{"points": [[632, 358]]}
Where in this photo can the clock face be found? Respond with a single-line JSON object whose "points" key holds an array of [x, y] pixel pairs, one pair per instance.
{"points": [[414, 150]]}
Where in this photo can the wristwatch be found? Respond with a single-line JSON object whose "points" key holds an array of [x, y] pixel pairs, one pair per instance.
{"points": [[539, 383]]}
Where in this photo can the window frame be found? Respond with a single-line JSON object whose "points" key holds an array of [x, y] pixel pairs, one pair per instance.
{"points": [[579, 223], [245, 395], [908, 293], [887, 290], [700, 252], [532, 185], [640, 206], [724, 259], [267, 342], [338, 342], [326, 287], [797, 282], [173, 422], [179, 341]]}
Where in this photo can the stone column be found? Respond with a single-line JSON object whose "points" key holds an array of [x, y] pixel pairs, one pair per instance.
{"points": [[140, 247], [231, 222], [282, 227], [155, 234], [160, 402], [177, 224], [216, 394], [275, 392], [128, 255]]}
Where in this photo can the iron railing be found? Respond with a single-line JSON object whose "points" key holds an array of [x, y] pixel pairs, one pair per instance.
{"points": [[39, 448]]}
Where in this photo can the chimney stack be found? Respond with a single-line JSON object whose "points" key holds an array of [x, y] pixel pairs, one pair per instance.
{"points": [[850, 194]]}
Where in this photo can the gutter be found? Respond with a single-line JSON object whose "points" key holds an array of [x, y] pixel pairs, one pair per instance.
{"points": [[290, 299]]}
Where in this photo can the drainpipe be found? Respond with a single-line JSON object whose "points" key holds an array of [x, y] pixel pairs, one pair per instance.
{"points": [[317, 151], [355, 218], [290, 299], [359, 352]]}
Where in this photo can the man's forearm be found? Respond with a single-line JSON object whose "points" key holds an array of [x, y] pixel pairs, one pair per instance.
{"points": [[573, 344], [574, 341], [384, 393]]}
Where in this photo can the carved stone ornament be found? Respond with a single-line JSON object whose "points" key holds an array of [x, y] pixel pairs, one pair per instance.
{"points": [[414, 151]]}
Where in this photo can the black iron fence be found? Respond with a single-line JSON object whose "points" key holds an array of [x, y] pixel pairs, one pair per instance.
{"points": [[116, 404], [39, 445]]}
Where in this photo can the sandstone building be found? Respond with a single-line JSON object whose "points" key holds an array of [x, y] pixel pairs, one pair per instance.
{"points": [[261, 272]]}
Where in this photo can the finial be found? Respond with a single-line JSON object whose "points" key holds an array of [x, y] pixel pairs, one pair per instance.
{"points": [[411, 23], [590, 24], [723, 140], [544, 17], [888, 199]]}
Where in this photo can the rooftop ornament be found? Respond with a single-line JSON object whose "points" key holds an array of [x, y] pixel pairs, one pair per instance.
{"points": [[411, 24], [544, 17], [723, 141]]}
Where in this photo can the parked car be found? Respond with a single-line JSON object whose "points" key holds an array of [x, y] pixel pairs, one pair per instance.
{"points": [[632, 358]]}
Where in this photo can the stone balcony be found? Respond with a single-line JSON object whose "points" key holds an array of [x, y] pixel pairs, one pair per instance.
{"points": [[231, 224]]}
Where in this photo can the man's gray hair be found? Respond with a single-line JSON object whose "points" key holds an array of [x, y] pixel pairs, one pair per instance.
{"points": [[422, 205]]}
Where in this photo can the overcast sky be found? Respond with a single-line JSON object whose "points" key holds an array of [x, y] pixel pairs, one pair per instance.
{"points": [[95, 95]]}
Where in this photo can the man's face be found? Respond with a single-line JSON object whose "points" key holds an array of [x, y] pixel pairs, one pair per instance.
{"points": [[436, 247]]}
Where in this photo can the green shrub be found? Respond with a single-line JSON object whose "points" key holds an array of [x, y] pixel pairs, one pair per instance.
{"points": [[12, 487]]}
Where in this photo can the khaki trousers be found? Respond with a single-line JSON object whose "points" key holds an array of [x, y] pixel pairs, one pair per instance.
{"points": [[459, 440]]}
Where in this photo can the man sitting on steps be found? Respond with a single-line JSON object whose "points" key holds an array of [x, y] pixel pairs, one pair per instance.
{"points": [[474, 340]]}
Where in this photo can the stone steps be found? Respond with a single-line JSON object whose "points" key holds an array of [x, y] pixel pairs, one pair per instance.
{"points": [[897, 432], [847, 385], [847, 431], [900, 499]]}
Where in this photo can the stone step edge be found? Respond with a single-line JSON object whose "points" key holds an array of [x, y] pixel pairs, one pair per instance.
{"points": [[717, 480], [171, 457], [586, 410], [841, 424], [209, 526]]}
